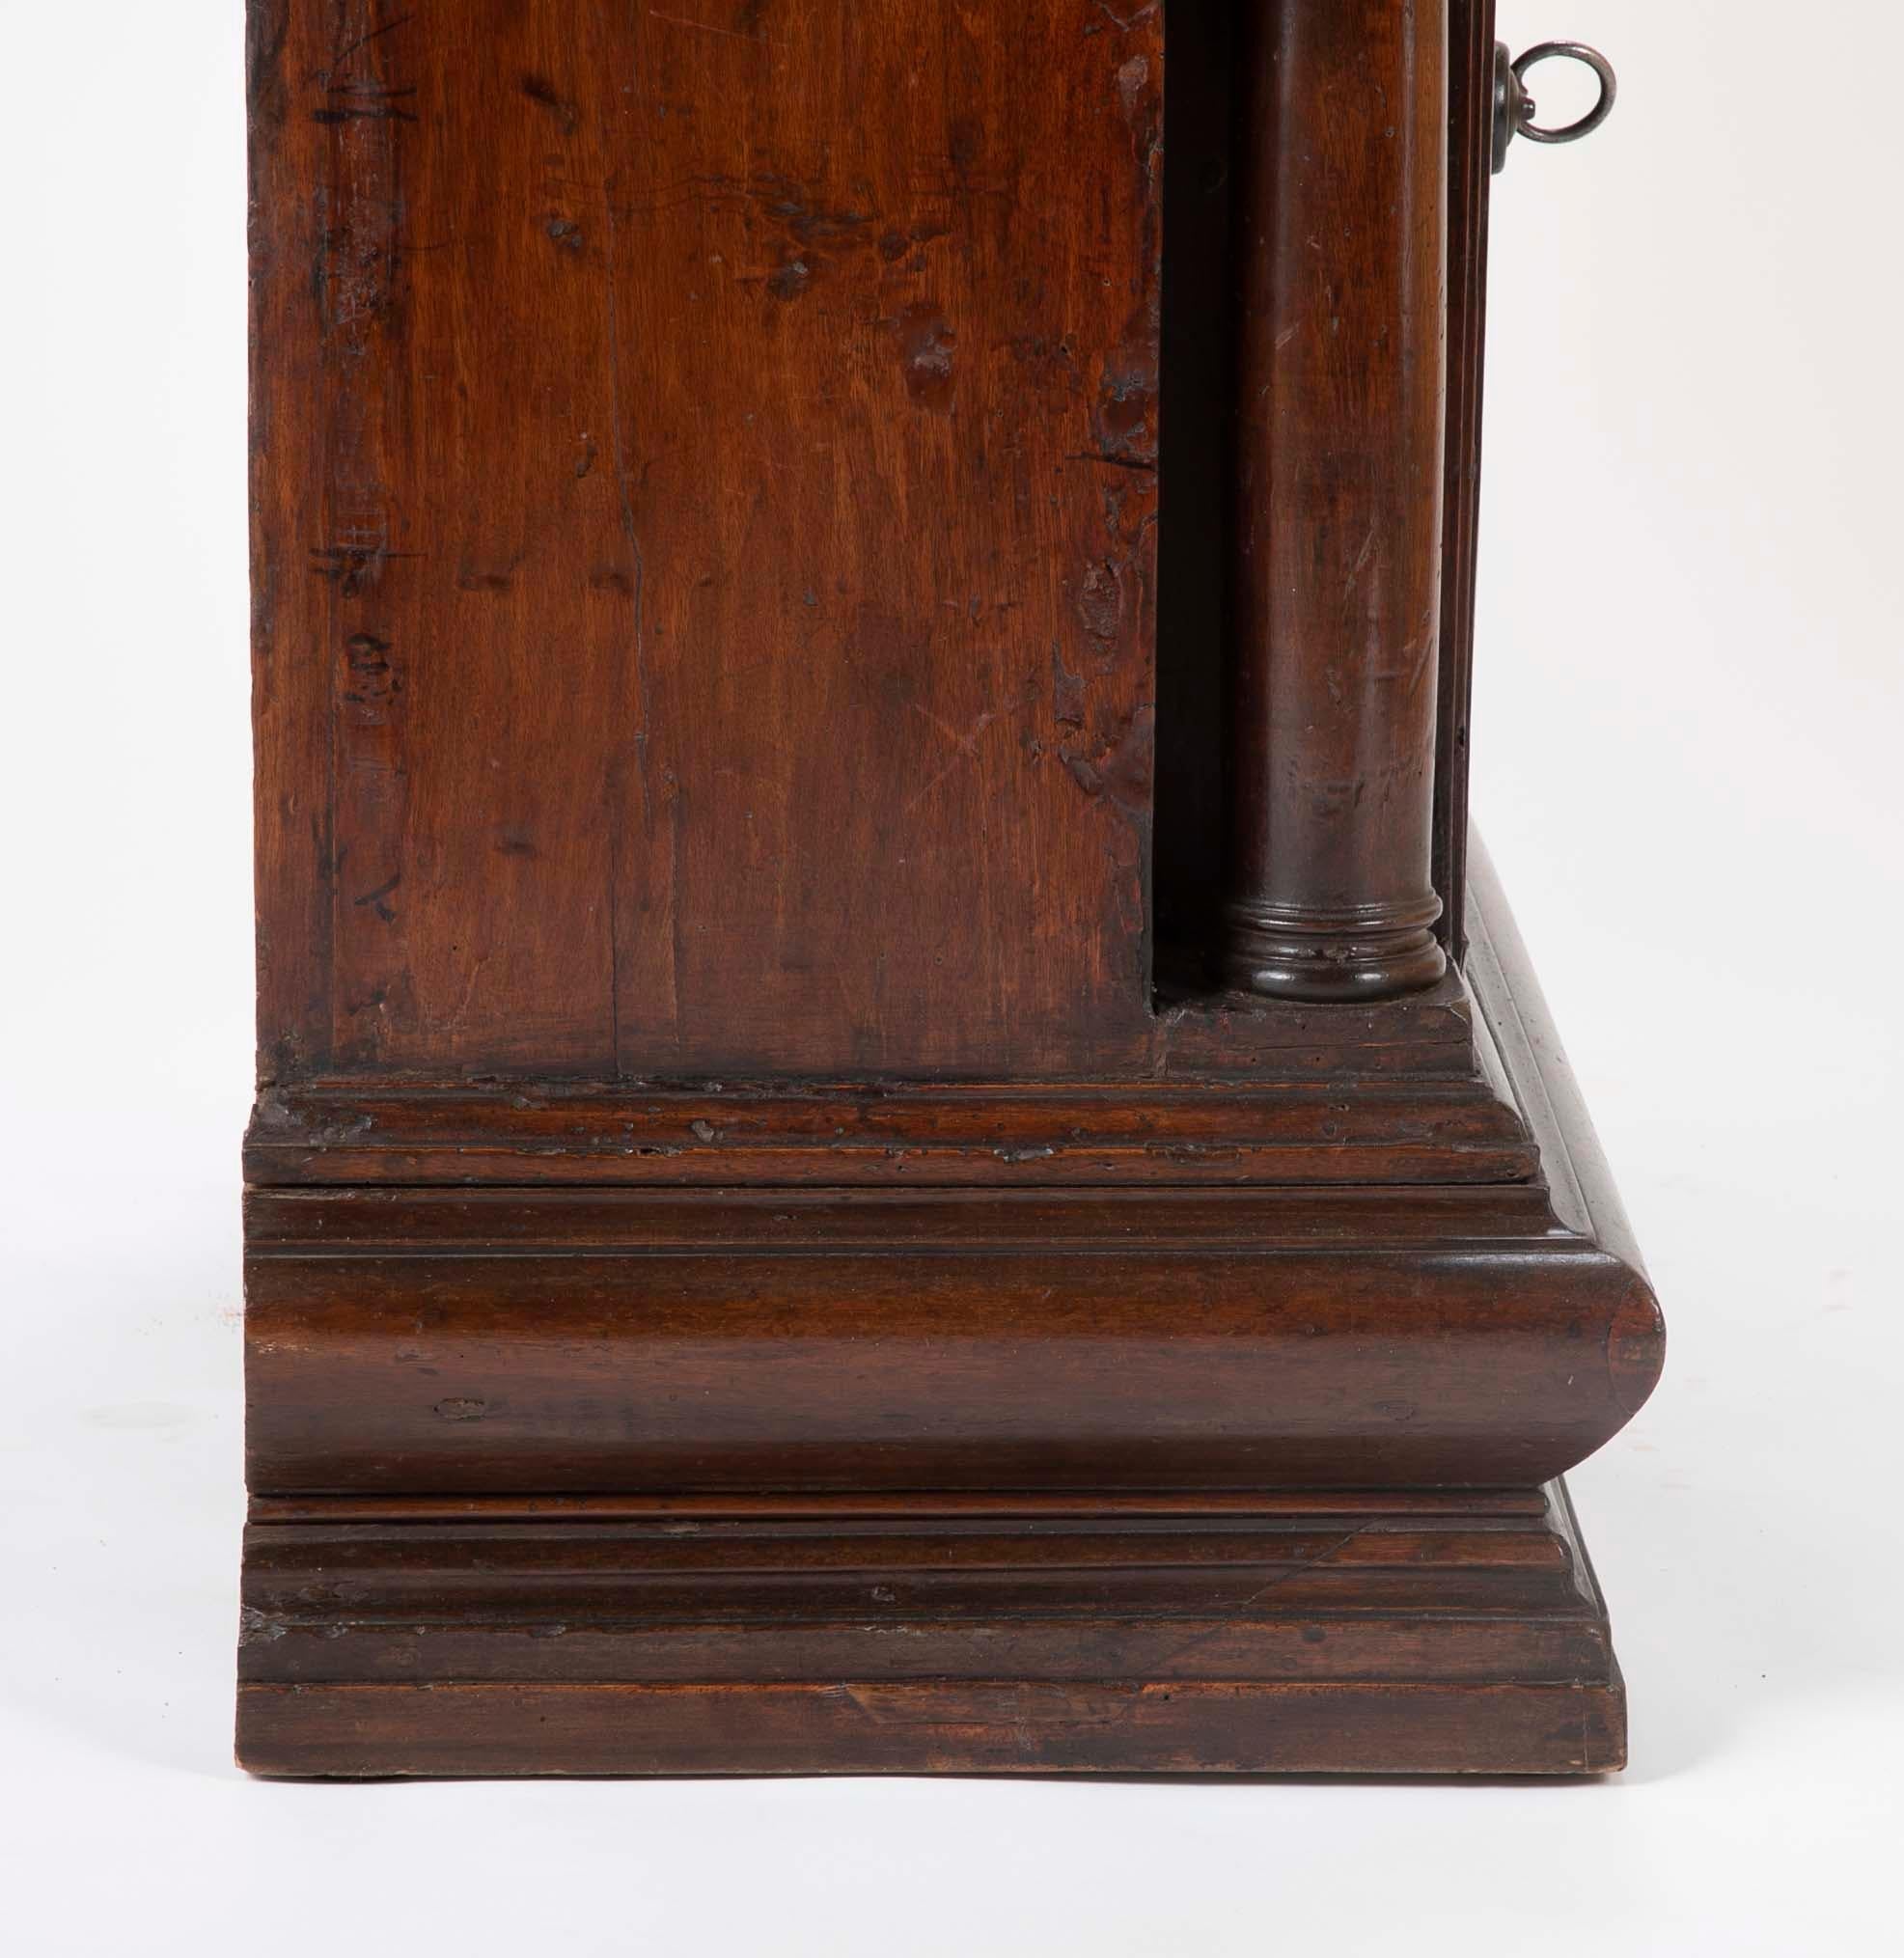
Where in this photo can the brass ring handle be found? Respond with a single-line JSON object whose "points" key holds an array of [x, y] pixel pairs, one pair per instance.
{"points": [[1572, 50], [1514, 109]]}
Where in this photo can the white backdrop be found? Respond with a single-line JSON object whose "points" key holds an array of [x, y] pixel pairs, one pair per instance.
{"points": [[1688, 711]]}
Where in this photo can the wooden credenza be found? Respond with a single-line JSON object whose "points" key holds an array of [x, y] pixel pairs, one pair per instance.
{"points": [[896, 1130]]}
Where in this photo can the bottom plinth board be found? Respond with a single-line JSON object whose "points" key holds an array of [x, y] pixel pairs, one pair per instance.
{"points": [[1437, 1633]]}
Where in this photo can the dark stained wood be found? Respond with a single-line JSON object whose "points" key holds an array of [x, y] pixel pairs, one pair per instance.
{"points": [[1579, 1180], [980, 1366], [701, 470], [1340, 247], [1100, 1506], [955, 1339], [914, 1726], [358, 1222], [1470, 173], [1348, 1131], [771, 1247], [1459, 1635]]}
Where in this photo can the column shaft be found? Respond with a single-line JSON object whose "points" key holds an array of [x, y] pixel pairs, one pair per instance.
{"points": [[1341, 256]]}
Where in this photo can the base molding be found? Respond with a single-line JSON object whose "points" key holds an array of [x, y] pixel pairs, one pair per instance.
{"points": [[931, 1728], [1417, 1633], [1238, 1462]]}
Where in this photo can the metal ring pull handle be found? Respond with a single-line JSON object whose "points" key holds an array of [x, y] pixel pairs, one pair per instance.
{"points": [[1514, 109], [1573, 51]]}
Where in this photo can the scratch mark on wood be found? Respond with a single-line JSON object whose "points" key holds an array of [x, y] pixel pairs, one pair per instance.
{"points": [[322, 76], [374, 899], [966, 746], [708, 27]]}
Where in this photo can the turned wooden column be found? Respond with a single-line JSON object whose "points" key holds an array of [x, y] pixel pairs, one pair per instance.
{"points": [[1341, 249]]}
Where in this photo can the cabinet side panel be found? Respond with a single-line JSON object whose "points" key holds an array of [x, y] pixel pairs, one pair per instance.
{"points": [[291, 710], [704, 474], [1471, 140]]}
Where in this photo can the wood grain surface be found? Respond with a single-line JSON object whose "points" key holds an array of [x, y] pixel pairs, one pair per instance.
{"points": [[619, 1339], [865, 1160], [1338, 394], [1463, 1633], [705, 488]]}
